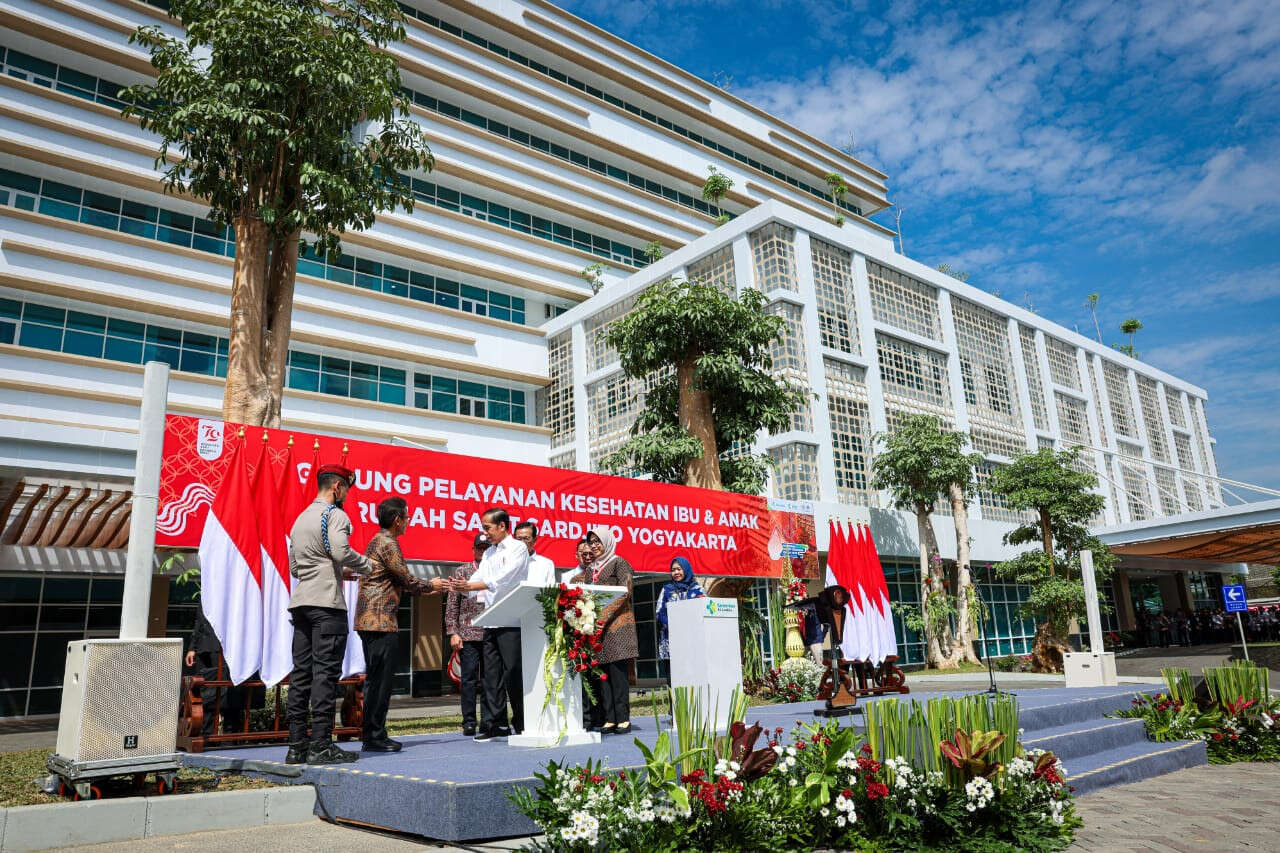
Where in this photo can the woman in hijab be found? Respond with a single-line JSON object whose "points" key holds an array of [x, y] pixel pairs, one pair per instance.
{"points": [[681, 586], [619, 624]]}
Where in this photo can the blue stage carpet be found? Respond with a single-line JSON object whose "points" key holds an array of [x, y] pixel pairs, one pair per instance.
{"points": [[448, 787]]}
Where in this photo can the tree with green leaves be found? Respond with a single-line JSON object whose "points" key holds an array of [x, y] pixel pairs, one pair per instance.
{"points": [[714, 389], [958, 275], [287, 117], [838, 186], [1062, 501], [917, 463], [717, 186], [1130, 327]]}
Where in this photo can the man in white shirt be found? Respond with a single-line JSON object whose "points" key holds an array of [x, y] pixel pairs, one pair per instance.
{"points": [[541, 570], [504, 566]]}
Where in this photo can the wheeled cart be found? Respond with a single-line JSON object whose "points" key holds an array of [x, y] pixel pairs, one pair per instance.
{"points": [[79, 779]]}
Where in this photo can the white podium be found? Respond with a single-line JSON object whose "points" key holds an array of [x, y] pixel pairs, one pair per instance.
{"points": [[542, 725], [705, 650]]}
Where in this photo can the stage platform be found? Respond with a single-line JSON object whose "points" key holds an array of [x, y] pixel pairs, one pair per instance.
{"points": [[450, 788]]}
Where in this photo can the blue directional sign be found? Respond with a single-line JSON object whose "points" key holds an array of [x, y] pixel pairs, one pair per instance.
{"points": [[1234, 597]]}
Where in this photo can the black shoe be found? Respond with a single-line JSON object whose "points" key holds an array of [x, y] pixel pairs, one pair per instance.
{"points": [[468, 731], [297, 753], [381, 746], [329, 753], [492, 733], [622, 728]]}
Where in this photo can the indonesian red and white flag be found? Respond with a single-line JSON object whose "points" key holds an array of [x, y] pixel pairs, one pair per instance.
{"points": [[231, 571], [878, 592], [840, 571], [277, 627]]}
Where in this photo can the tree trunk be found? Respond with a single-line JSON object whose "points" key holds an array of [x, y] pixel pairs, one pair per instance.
{"points": [[937, 642], [696, 417], [281, 277], [964, 579], [1046, 536], [1048, 648], [247, 398]]}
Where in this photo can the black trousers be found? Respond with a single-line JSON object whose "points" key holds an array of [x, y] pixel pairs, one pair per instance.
{"points": [[592, 711], [319, 643], [232, 705], [380, 649], [503, 679], [615, 694], [469, 657]]}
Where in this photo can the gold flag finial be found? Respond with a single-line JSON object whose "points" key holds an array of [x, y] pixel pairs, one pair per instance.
{"points": [[291, 441], [241, 433]]}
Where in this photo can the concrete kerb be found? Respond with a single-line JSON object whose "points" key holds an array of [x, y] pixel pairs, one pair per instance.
{"points": [[24, 828]]}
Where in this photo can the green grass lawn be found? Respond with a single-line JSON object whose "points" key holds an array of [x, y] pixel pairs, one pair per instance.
{"points": [[18, 770], [962, 669]]}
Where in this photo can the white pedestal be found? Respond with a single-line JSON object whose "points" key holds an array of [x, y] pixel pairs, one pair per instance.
{"points": [[705, 650], [542, 726], [1090, 669]]}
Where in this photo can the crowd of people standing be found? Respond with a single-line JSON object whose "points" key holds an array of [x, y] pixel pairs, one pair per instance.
{"points": [[1206, 625]]}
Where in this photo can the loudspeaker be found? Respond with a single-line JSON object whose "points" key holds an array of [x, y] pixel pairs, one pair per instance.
{"points": [[120, 699]]}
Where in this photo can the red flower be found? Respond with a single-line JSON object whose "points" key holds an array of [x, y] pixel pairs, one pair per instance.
{"points": [[847, 794], [604, 676], [866, 749], [877, 790]]}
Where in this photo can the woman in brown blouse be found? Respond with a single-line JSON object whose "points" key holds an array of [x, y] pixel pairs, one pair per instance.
{"points": [[619, 624]]}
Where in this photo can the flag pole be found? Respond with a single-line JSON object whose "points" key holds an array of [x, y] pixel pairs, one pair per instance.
{"points": [[136, 600]]}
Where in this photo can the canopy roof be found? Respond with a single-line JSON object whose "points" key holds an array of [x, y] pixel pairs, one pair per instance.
{"points": [[1245, 533]]}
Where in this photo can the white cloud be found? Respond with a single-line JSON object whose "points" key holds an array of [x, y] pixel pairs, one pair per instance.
{"points": [[1011, 104]]}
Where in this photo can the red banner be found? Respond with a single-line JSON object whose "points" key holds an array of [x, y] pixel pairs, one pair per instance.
{"points": [[722, 533]]}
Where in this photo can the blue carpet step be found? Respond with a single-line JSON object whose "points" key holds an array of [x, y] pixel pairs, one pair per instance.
{"points": [[1038, 711], [1078, 740], [1132, 763]]}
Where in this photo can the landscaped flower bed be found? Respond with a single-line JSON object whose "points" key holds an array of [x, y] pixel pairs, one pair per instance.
{"points": [[822, 786], [1234, 715]]}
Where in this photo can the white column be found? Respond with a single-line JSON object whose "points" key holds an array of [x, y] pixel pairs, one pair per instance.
{"points": [[1140, 424], [1050, 391], [958, 404], [1095, 433], [136, 604], [866, 333], [744, 263], [821, 416], [1104, 404], [1092, 611], [1162, 400], [1024, 389], [581, 404]]}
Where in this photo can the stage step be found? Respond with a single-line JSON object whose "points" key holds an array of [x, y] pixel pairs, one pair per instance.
{"points": [[1132, 763], [1086, 738]]}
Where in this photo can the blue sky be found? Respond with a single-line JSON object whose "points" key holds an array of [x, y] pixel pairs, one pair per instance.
{"points": [[1050, 150]]}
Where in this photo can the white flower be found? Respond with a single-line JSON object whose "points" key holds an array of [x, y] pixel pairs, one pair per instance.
{"points": [[825, 812], [979, 792], [583, 826], [840, 821], [1020, 768]]}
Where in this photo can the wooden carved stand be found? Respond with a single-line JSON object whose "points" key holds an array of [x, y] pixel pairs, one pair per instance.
{"points": [[191, 713], [845, 680]]}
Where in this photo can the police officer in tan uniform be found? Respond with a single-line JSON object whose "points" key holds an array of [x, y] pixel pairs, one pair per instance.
{"points": [[319, 553]]}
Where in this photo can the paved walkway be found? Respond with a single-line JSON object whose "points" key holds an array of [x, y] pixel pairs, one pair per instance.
{"points": [[1195, 658], [1206, 809], [1203, 809]]}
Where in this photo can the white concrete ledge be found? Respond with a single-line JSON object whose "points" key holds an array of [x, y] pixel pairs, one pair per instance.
{"points": [[57, 825]]}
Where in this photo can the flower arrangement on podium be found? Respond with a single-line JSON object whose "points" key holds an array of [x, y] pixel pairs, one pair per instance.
{"points": [[573, 639]]}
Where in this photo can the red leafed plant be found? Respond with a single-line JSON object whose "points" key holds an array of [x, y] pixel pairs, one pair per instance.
{"points": [[967, 751], [754, 762]]}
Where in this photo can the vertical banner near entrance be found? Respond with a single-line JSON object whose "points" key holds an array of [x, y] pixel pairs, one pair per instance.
{"points": [[722, 533]]}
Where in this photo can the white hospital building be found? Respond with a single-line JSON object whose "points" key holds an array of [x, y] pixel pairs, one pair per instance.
{"points": [[469, 327]]}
